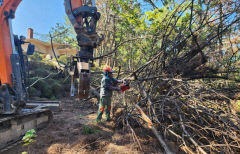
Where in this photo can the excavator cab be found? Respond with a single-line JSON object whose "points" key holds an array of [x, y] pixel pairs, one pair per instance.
{"points": [[12, 99]]}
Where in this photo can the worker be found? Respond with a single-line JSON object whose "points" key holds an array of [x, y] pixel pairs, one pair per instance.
{"points": [[108, 84]]}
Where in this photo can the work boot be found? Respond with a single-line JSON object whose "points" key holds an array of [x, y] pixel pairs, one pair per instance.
{"points": [[96, 121], [107, 110], [100, 112], [99, 116]]}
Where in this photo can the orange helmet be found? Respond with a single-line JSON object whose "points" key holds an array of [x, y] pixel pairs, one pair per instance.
{"points": [[107, 69]]}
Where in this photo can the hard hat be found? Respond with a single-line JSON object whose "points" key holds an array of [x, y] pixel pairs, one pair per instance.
{"points": [[107, 69]]}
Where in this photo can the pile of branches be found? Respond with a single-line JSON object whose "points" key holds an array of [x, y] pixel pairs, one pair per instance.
{"points": [[170, 92], [198, 119]]}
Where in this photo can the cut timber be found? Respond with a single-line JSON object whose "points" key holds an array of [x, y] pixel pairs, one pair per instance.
{"points": [[52, 105], [12, 128]]}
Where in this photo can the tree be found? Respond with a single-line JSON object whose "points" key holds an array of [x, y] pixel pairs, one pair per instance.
{"points": [[64, 33]]}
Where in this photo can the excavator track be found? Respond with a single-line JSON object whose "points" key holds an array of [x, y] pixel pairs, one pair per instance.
{"points": [[13, 127]]}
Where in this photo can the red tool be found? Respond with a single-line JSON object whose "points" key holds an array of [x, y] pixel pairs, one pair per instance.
{"points": [[125, 86]]}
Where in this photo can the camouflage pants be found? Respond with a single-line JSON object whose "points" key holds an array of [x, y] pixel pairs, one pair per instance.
{"points": [[104, 105]]}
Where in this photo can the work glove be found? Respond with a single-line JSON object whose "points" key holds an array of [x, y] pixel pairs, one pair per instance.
{"points": [[120, 81]]}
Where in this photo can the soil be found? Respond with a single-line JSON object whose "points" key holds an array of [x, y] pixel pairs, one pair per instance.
{"points": [[73, 131]]}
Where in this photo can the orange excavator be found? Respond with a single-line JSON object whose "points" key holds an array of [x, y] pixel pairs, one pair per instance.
{"points": [[13, 94], [83, 15]]}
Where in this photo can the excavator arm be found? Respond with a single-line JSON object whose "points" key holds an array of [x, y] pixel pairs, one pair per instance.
{"points": [[7, 9], [12, 91]]}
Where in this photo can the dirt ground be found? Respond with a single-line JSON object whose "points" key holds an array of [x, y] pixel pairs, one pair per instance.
{"points": [[73, 131]]}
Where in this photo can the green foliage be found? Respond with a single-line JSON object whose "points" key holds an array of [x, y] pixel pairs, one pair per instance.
{"points": [[133, 24], [137, 22], [36, 57], [64, 33], [41, 72], [53, 98], [64, 59], [57, 89], [33, 92], [29, 136], [89, 130], [47, 91], [170, 20], [238, 104], [51, 87]]}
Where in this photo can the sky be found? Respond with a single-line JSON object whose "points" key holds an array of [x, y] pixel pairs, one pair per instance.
{"points": [[40, 15]]}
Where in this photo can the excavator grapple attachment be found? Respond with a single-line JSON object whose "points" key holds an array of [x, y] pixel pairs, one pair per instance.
{"points": [[83, 15]]}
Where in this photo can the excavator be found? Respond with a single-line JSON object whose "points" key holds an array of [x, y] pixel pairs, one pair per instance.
{"points": [[15, 119]]}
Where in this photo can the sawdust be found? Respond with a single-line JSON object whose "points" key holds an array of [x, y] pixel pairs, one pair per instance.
{"points": [[66, 134]]}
